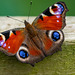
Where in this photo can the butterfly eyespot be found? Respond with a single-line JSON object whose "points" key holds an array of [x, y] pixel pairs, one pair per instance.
{"points": [[22, 54], [2, 39], [55, 36], [57, 9]]}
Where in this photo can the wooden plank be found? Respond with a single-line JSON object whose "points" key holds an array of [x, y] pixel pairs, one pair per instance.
{"points": [[7, 23]]}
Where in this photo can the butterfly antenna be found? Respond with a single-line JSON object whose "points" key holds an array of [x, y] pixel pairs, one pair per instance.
{"points": [[29, 10], [15, 19]]}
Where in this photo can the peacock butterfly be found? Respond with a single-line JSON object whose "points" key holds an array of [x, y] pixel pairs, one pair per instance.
{"points": [[37, 40]]}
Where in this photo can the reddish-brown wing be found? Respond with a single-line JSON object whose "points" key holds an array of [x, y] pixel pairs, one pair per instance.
{"points": [[51, 41], [17, 41], [35, 54], [53, 18], [11, 40]]}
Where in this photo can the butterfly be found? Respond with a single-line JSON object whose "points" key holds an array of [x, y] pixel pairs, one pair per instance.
{"points": [[37, 40]]}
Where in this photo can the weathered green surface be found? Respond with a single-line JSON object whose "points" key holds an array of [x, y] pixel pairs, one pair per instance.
{"points": [[60, 63]]}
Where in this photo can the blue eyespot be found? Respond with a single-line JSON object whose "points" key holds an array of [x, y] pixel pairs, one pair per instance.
{"points": [[60, 9], [23, 54], [55, 36]]}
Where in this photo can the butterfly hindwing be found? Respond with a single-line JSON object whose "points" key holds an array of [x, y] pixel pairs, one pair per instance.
{"points": [[32, 54], [51, 41]]}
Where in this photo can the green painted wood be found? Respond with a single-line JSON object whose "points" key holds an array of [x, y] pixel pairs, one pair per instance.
{"points": [[21, 7]]}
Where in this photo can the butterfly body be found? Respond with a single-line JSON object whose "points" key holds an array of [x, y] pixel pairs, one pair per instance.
{"points": [[37, 40]]}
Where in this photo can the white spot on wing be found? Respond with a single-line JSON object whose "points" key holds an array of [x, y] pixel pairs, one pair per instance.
{"points": [[9, 47], [43, 14], [10, 33], [58, 16], [57, 20]]}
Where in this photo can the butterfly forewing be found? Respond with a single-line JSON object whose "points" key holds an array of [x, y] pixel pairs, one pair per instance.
{"points": [[12, 40], [49, 25], [53, 18]]}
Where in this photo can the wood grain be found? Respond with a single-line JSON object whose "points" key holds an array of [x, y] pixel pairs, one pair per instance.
{"points": [[7, 23]]}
